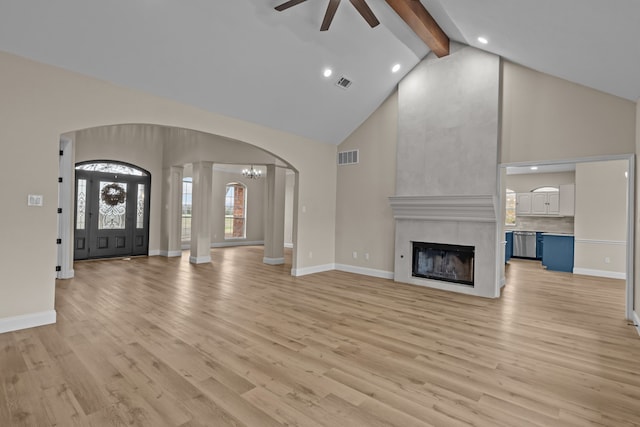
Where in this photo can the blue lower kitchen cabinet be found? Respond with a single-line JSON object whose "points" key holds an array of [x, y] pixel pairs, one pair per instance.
{"points": [[508, 249], [539, 244], [557, 252]]}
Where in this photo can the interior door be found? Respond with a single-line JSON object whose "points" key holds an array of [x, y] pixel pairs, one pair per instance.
{"points": [[112, 213]]}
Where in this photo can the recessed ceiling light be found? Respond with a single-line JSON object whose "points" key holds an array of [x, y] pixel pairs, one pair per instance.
{"points": [[534, 168], [327, 72], [395, 68], [483, 40]]}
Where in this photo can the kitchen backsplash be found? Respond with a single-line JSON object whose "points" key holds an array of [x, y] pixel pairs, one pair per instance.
{"points": [[549, 224]]}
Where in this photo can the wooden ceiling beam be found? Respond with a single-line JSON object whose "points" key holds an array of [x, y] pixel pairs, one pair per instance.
{"points": [[423, 24]]}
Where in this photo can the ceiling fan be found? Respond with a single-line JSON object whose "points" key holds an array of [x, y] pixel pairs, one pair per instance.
{"points": [[360, 5]]}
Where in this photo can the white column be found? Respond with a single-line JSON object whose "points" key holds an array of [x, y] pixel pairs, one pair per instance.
{"points": [[174, 211], [274, 216], [201, 213]]}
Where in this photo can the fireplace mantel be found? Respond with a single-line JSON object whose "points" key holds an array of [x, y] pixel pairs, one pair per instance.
{"points": [[475, 208]]}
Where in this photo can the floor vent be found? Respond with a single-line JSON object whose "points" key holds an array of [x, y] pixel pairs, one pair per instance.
{"points": [[344, 82], [348, 157]]}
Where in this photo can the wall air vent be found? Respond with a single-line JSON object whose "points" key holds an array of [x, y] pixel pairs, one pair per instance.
{"points": [[348, 157], [344, 82]]}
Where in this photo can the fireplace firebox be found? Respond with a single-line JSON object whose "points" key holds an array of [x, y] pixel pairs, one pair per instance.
{"points": [[438, 261]]}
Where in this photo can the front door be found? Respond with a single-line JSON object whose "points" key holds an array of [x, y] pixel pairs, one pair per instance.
{"points": [[111, 211]]}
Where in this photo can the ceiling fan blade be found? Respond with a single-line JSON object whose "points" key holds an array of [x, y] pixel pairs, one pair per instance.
{"points": [[365, 11], [286, 5], [328, 17]]}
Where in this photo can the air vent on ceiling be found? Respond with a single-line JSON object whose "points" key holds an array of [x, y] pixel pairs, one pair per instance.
{"points": [[344, 82], [348, 157]]}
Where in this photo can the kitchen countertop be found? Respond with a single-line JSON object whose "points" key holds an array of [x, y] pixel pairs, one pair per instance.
{"points": [[558, 234], [553, 233]]}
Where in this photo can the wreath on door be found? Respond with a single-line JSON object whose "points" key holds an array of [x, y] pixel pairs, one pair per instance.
{"points": [[113, 194]]}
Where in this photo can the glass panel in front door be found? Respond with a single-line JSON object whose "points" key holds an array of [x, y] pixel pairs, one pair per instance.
{"points": [[81, 204], [140, 207], [112, 209]]}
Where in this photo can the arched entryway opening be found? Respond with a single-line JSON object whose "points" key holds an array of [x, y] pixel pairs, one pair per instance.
{"points": [[166, 153]]}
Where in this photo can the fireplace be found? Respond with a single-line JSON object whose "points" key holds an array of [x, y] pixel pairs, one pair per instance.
{"points": [[438, 261]]}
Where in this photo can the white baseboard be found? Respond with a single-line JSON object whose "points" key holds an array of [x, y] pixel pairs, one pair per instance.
{"points": [[185, 246], [273, 261], [312, 270], [199, 260], [365, 271], [600, 273], [237, 243], [288, 245], [170, 254], [25, 321], [155, 252], [636, 321], [68, 274]]}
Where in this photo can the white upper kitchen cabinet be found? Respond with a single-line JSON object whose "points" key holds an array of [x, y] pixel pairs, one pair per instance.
{"points": [[553, 203], [523, 203], [538, 203]]}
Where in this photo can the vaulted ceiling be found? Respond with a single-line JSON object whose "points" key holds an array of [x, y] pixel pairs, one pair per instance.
{"points": [[243, 59]]}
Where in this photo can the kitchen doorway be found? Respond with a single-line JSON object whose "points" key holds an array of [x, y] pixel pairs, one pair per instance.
{"points": [[591, 247]]}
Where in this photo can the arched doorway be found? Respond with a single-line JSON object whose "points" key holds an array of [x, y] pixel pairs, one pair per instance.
{"points": [[163, 152], [111, 210]]}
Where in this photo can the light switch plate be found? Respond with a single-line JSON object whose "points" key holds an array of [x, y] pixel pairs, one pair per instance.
{"points": [[35, 200]]}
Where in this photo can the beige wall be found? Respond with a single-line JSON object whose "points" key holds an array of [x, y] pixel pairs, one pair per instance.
{"points": [[364, 221], [186, 146], [601, 216], [547, 118], [42, 102]]}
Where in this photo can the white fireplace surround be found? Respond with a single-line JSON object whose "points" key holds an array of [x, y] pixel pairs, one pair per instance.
{"points": [[447, 164], [468, 220]]}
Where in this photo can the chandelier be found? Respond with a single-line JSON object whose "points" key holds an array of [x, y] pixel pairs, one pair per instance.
{"points": [[252, 173]]}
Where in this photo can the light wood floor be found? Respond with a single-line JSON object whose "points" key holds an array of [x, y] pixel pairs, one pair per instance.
{"points": [[157, 341]]}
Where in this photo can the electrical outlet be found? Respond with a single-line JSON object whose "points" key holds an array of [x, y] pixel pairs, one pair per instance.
{"points": [[34, 200], [310, 254], [355, 255], [607, 260], [366, 256]]}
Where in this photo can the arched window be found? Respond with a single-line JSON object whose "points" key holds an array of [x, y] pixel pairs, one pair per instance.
{"points": [[545, 189], [108, 167], [235, 211], [187, 203], [510, 206]]}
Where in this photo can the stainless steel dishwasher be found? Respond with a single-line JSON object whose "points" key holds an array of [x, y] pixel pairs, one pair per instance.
{"points": [[524, 244]]}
